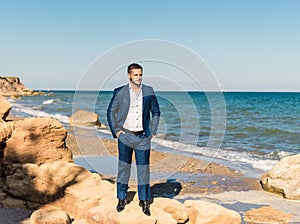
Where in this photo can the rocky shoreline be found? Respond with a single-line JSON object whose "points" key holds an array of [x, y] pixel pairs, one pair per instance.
{"points": [[38, 173], [40, 183]]}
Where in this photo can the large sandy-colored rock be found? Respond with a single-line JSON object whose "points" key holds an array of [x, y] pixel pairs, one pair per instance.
{"points": [[37, 140], [58, 184], [56, 216], [267, 214], [84, 193], [173, 207], [4, 108], [162, 216], [106, 188], [85, 118], [131, 212], [201, 212], [283, 178], [81, 221], [100, 214], [41, 184], [106, 213]]}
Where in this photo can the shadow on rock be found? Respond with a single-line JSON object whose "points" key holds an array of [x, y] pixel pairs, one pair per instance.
{"points": [[168, 189]]}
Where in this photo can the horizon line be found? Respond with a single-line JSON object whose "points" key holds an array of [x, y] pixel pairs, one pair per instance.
{"points": [[157, 90]]}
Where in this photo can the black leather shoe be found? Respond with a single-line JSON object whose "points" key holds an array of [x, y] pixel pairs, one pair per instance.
{"points": [[145, 207], [121, 205]]}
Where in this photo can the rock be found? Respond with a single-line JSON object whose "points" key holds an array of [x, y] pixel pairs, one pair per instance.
{"points": [[12, 86], [84, 193], [80, 221], [201, 212], [106, 188], [283, 178], [102, 215], [37, 140], [3, 196], [267, 214], [2, 182], [42, 216], [10, 202], [85, 118], [162, 216], [65, 185], [12, 117], [29, 183], [6, 130], [4, 108], [106, 213], [32, 205], [173, 207]]}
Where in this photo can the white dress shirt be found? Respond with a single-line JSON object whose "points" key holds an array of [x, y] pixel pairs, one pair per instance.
{"points": [[134, 120]]}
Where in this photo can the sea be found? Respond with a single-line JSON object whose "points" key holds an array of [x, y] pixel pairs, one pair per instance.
{"points": [[247, 131]]}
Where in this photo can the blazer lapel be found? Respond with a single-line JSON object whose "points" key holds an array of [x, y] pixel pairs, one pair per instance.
{"points": [[144, 103], [126, 98]]}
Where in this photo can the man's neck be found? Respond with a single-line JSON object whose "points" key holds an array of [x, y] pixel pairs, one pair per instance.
{"points": [[135, 87]]}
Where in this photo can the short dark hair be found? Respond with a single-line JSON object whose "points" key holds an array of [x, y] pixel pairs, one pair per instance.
{"points": [[134, 66]]}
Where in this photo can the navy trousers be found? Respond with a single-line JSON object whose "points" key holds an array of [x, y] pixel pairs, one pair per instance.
{"points": [[140, 144]]}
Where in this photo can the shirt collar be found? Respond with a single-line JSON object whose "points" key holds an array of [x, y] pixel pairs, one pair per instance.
{"points": [[141, 86]]}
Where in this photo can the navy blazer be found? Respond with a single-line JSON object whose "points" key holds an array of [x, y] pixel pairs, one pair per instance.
{"points": [[119, 106]]}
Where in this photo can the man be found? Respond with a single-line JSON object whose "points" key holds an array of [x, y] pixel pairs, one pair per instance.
{"points": [[129, 119]]}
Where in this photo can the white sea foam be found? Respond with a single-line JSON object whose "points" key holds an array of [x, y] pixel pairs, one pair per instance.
{"points": [[244, 160], [38, 113], [282, 154], [48, 101], [261, 164], [105, 131]]}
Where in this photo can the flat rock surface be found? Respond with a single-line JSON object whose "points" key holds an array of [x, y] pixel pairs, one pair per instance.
{"points": [[243, 201]]}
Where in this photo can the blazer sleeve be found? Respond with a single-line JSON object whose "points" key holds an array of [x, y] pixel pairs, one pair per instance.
{"points": [[112, 109], [155, 111]]}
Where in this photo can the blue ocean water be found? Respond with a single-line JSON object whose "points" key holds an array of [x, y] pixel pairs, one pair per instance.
{"points": [[250, 131]]}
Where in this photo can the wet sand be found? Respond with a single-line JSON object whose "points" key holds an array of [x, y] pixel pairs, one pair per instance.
{"points": [[194, 175]]}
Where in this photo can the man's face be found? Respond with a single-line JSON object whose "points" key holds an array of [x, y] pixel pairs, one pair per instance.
{"points": [[135, 76]]}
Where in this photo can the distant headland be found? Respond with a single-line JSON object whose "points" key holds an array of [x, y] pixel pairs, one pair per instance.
{"points": [[11, 86]]}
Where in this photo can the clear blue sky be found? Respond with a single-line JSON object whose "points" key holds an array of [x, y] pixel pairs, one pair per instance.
{"points": [[249, 44]]}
